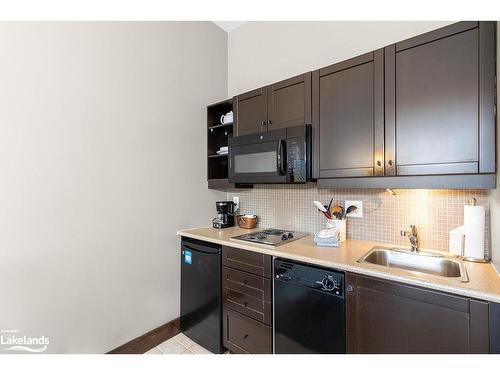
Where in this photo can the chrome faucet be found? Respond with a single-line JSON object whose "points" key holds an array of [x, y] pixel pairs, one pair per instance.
{"points": [[413, 237]]}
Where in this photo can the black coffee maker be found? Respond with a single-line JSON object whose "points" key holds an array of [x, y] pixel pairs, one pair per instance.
{"points": [[225, 215]]}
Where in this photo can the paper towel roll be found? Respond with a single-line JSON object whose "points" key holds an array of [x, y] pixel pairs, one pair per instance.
{"points": [[474, 222]]}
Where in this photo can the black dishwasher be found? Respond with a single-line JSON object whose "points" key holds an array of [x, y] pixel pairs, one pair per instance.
{"points": [[201, 300], [309, 312]]}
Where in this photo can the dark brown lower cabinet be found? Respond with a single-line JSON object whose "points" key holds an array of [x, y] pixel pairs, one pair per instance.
{"points": [[247, 301], [494, 324], [245, 335], [389, 317], [382, 316]]}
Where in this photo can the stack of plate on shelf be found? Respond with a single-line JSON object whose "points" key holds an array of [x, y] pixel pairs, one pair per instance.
{"points": [[223, 150]]}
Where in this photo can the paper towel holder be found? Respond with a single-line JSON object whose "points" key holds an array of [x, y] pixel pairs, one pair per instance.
{"points": [[472, 202], [476, 260], [470, 259]]}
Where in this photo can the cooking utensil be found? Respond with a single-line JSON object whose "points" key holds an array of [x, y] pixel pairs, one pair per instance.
{"points": [[246, 221], [322, 208], [329, 205], [337, 211], [349, 210]]}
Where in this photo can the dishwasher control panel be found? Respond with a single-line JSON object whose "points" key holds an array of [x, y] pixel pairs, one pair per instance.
{"points": [[313, 277]]}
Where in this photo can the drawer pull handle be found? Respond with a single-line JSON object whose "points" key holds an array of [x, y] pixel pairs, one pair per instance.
{"points": [[245, 303], [245, 282], [245, 336]]}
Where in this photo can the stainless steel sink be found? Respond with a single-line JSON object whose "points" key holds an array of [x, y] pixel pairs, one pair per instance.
{"points": [[423, 262]]}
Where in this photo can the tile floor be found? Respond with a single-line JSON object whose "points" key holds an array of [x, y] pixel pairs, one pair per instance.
{"points": [[180, 344]]}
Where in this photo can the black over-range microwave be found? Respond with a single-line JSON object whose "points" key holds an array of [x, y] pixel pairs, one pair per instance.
{"points": [[277, 156]]}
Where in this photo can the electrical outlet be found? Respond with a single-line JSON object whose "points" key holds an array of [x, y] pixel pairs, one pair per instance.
{"points": [[356, 213], [236, 201]]}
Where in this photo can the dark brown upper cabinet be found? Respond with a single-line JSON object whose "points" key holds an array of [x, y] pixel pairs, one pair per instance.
{"points": [[280, 105], [388, 317], [439, 102], [348, 117], [420, 113], [289, 102], [250, 111]]}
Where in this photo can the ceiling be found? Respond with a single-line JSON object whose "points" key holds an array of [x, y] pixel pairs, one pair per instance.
{"points": [[229, 25]]}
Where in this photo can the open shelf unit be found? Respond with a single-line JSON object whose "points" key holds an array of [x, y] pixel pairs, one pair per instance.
{"points": [[217, 137]]}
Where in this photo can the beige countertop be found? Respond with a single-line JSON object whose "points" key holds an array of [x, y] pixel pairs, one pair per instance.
{"points": [[484, 281]]}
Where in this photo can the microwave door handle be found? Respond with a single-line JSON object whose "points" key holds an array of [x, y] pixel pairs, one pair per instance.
{"points": [[280, 158]]}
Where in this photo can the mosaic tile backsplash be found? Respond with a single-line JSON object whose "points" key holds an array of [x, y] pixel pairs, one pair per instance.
{"points": [[434, 212]]}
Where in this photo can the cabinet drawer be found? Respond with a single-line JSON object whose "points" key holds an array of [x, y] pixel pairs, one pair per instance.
{"points": [[245, 260], [242, 334], [255, 286], [247, 305]]}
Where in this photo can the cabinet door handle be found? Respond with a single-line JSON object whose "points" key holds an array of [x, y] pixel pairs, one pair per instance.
{"points": [[269, 123], [350, 288], [245, 303], [262, 124], [245, 282], [280, 158], [245, 336], [389, 162], [379, 163]]}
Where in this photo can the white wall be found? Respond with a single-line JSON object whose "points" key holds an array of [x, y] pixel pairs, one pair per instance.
{"points": [[100, 163], [261, 53]]}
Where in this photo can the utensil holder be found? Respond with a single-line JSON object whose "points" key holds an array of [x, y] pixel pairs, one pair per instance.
{"points": [[340, 226]]}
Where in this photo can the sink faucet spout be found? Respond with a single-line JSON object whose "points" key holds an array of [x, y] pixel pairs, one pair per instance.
{"points": [[413, 237]]}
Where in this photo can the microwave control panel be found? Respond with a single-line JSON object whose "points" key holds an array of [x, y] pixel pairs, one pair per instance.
{"points": [[296, 162]]}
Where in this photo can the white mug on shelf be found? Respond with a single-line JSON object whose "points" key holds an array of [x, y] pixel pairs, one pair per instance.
{"points": [[340, 226], [227, 118]]}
